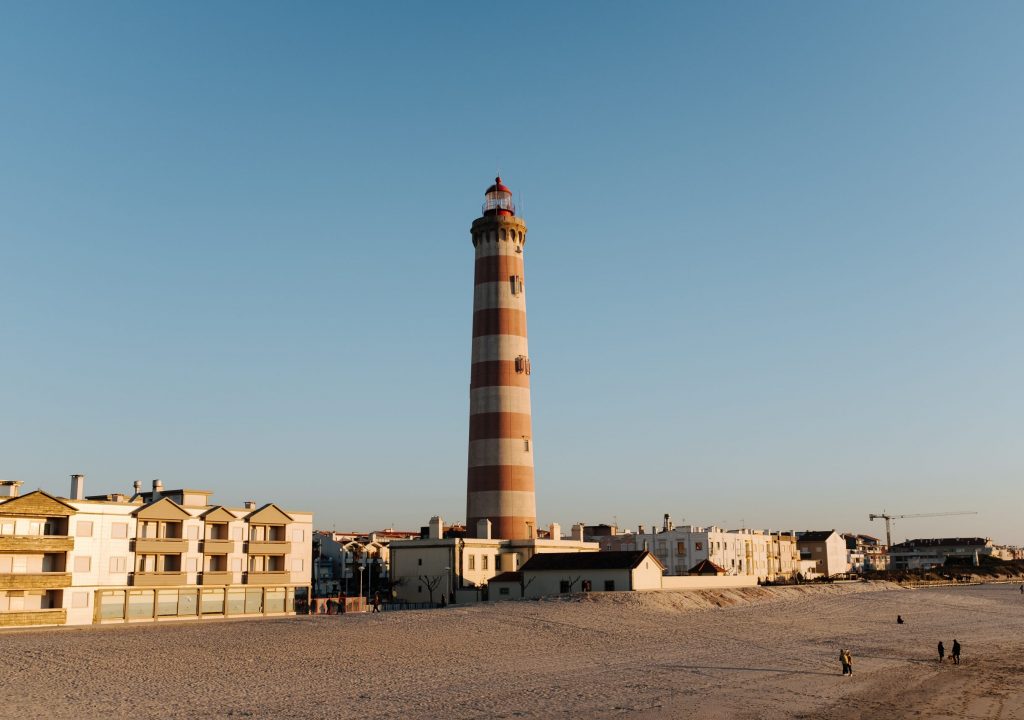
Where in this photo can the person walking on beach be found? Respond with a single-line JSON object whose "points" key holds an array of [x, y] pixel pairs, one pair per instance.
{"points": [[849, 663], [942, 651], [842, 660], [956, 652], [899, 619]]}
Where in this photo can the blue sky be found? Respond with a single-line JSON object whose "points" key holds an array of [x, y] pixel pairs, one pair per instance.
{"points": [[774, 264]]}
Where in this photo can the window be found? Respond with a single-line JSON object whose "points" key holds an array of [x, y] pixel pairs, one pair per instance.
{"points": [[119, 531], [83, 528], [681, 548], [516, 284], [503, 591], [526, 443], [522, 364], [419, 561], [472, 562], [79, 600], [497, 562], [483, 562], [563, 586], [118, 564], [83, 562]]}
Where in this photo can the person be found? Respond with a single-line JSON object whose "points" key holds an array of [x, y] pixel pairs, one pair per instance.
{"points": [[849, 663], [1022, 589], [956, 652], [942, 652], [899, 619], [842, 660], [376, 602]]}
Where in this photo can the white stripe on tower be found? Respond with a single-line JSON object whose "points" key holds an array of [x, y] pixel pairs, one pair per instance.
{"points": [[500, 478]]}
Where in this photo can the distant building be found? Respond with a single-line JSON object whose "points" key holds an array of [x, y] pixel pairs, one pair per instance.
{"points": [[921, 554], [159, 555], [865, 553], [353, 563], [459, 569], [827, 549], [766, 555]]}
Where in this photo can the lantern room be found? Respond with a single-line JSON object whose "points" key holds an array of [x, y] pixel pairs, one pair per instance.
{"points": [[498, 200]]}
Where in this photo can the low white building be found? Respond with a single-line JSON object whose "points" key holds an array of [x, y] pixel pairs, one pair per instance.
{"points": [[459, 569], [561, 573]]}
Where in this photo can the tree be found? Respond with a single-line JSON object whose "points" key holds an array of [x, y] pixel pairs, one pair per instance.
{"points": [[431, 581], [523, 584]]}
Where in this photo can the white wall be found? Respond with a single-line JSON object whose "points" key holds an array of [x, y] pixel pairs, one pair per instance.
{"points": [[707, 582]]}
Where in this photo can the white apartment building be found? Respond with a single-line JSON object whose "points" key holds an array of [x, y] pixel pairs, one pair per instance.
{"points": [[764, 554], [161, 555]]}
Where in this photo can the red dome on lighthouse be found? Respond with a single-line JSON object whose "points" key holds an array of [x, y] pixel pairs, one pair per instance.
{"points": [[498, 199]]}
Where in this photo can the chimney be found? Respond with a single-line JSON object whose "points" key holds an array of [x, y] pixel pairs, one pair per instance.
{"points": [[640, 529], [436, 528], [10, 488], [138, 487], [158, 490], [555, 531], [577, 532], [667, 524], [250, 504], [77, 487], [483, 529]]}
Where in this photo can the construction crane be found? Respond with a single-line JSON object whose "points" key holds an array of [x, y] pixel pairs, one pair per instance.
{"points": [[889, 518]]}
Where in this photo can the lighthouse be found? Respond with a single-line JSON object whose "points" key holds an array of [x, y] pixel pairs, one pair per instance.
{"points": [[500, 476]]}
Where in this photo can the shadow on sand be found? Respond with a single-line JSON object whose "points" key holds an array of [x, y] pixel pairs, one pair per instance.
{"points": [[751, 669]]}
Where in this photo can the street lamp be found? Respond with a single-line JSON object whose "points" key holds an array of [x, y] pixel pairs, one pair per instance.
{"points": [[447, 583], [360, 580]]}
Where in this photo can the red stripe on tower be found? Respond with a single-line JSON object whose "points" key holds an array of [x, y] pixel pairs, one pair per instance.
{"points": [[500, 485]]}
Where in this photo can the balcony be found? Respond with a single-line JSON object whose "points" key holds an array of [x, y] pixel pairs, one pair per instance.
{"points": [[271, 577], [35, 581], [160, 546], [36, 543], [218, 547], [269, 547], [218, 577], [27, 618], [158, 579]]}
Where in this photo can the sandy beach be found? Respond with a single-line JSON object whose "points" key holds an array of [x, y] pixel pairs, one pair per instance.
{"points": [[752, 653]]}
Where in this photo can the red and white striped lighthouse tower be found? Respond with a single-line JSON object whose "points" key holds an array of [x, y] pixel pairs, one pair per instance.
{"points": [[500, 478]]}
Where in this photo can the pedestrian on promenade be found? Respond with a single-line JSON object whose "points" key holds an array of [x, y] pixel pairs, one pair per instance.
{"points": [[376, 602], [942, 652], [956, 652]]}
